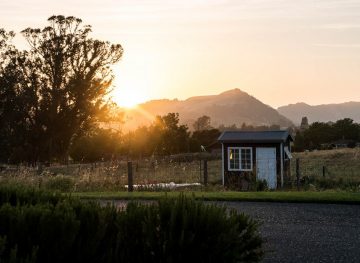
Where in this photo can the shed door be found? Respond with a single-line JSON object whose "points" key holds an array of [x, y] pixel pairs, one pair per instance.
{"points": [[266, 166]]}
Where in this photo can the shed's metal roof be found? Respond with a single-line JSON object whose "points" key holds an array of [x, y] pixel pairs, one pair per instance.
{"points": [[255, 136]]}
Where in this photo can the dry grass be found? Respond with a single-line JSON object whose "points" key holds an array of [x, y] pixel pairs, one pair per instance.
{"points": [[342, 171], [342, 167], [338, 163], [110, 176]]}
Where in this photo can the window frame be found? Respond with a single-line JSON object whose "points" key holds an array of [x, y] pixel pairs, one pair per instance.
{"points": [[240, 158]]}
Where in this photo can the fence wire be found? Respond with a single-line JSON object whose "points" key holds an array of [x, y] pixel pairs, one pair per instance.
{"points": [[113, 175], [331, 172]]}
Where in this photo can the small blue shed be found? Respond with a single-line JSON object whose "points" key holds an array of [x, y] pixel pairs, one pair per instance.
{"points": [[255, 155]]}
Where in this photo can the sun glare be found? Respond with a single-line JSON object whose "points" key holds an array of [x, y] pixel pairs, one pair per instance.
{"points": [[130, 89], [127, 97]]}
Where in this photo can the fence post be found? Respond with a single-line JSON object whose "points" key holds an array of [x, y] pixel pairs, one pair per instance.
{"points": [[130, 177], [200, 171], [205, 173], [324, 170], [40, 168], [298, 174]]}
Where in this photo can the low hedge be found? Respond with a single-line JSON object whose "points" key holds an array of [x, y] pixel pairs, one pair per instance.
{"points": [[171, 230], [20, 195]]}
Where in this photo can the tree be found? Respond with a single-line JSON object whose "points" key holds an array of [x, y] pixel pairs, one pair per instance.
{"points": [[174, 137], [346, 129], [15, 100], [317, 134], [62, 82], [202, 123], [97, 145], [165, 136], [304, 124], [203, 138]]}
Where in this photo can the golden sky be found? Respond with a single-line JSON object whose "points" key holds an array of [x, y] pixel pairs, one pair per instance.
{"points": [[280, 51]]}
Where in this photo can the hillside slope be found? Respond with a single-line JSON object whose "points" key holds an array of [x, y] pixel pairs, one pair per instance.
{"points": [[230, 107], [323, 113]]}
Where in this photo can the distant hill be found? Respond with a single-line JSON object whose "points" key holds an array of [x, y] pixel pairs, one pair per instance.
{"points": [[230, 107], [323, 113]]}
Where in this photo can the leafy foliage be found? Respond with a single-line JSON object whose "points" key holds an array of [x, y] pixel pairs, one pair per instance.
{"points": [[98, 144], [203, 138], [202, 123], [54, 92], [320, 133], [17, 195], [173, 230]]}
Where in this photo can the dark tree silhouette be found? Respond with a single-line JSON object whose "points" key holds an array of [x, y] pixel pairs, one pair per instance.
{"points": [[174, 136], [203, 138], [202, 123], [59, 85], [320, 133]]}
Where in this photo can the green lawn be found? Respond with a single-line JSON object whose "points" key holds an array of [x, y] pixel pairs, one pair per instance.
{"points": [[298, 197]]}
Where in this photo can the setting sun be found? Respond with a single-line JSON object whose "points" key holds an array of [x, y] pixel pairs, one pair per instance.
{"points": [[130, 86], [127, 97]]}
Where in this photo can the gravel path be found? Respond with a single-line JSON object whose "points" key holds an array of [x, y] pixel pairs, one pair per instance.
{"points": [[306, 232]]}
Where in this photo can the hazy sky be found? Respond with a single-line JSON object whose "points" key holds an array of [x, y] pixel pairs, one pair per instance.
{"points": [[280, 51]]}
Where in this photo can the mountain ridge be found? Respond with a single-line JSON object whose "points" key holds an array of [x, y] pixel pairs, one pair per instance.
{"points": [[230, 107], [322, 112]]}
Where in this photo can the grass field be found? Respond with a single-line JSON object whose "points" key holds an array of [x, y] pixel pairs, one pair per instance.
{"points": [[110, 176], [338, 162], [342, 172], [342, 168]]}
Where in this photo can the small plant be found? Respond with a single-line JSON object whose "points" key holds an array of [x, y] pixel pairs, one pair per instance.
{"points": [[261, 185]]}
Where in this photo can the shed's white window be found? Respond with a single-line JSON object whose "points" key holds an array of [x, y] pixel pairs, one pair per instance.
{"points": [[240, 159]]}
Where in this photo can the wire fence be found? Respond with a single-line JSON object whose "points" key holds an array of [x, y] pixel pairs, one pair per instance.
{"points": [[331, 170], [327, 169], [114, 175]]}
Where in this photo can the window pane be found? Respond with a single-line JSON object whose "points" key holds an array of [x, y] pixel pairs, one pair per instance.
{"points": [[234, 158], [246, 159]]}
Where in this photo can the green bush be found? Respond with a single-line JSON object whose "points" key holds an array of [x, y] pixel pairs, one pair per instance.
{"points": [[171, 230], [183, 230], [260, 185], [21, 195]]}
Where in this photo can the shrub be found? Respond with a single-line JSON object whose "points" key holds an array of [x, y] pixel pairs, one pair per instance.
{"points": [[182, 229], [21, 195], [260, 185], [172, 230]]}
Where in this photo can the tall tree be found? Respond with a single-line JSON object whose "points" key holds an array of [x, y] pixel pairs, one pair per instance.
{"points": [[346, 129], [15, 100], [203, 138], [174, 136], [202, 123], [66, 75]]}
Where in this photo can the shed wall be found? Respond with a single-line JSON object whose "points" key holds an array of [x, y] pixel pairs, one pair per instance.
{"points": [[242, 179]]}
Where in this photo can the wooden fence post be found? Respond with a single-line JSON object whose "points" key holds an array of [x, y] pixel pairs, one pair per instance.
{"points": [[40, 168], [200, 171], [130, 177], [298, 174], [205, 173]]}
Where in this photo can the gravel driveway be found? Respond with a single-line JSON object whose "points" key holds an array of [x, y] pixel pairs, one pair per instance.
{"points": [[296, 232], [306, 232]]}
